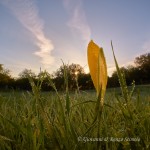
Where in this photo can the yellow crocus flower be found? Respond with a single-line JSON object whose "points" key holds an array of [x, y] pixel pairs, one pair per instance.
{"points": [[97, 67]]}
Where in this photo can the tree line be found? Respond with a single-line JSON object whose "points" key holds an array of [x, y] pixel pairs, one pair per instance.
{"points": [[77, 78]]}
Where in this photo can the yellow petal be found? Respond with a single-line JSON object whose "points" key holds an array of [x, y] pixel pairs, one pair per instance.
{"points": [[97, 67]]}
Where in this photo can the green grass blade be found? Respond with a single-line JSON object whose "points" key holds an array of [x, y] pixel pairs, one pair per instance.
{"points": [[121, 78]]}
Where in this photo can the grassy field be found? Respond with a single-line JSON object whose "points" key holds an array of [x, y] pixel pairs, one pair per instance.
{"points": [[79, 120], [66, 120]]}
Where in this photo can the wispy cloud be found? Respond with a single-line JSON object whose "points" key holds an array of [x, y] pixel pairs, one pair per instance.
{"points": [[77, 22], [27, 13]]}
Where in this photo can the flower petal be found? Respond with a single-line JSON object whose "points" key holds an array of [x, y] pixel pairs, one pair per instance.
{"points": [[97, 67]]}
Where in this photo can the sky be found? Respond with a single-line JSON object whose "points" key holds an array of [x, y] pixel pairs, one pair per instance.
{"points": [[38, 34]]}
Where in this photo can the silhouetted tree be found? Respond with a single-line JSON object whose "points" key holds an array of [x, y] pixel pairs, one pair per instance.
{"points": [[72, 72], [85, 81], [140, 72], [5, 78], [27, 72], [43, 76], [22, 83], [143, 64]]}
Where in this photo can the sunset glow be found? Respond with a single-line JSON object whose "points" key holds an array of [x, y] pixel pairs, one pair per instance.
{"points": [[38, 33]]}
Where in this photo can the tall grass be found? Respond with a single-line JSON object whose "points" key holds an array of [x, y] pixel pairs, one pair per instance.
{"points": [[66, 120]]}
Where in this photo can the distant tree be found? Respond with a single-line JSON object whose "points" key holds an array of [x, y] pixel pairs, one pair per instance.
{"points": [[113, 81], [27, 72], [72, 71], [85, 81], [143, 64], [143, 61], [5, 78], [4, 71], [43, 76], [140, 72], [133, 74], [22, 83], [1, 67]]}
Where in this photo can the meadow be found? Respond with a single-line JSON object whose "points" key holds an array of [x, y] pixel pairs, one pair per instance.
{"points": [[35, 121], [77, 120]]}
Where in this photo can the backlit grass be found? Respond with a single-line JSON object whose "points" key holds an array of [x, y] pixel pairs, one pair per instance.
{"points": [[25, 124], [73, 120]]}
